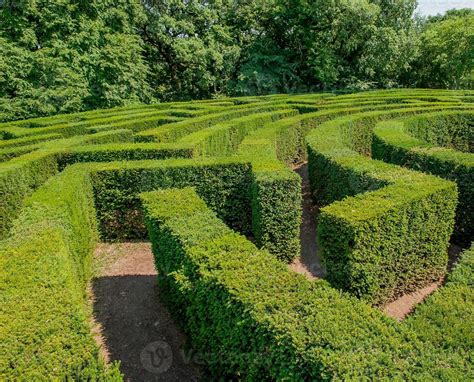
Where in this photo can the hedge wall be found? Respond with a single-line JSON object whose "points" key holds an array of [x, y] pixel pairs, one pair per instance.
{"points": [[411, 142], [388, 230], [446, 318], [18, 179], [28, 140], [224, 184], [20, 176], [173, 132], [46, 329], [140, 120], [224, 138], [276, 190], [446, 129], [252, 317]]}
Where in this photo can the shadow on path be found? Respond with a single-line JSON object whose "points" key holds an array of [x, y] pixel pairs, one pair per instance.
{"points": [[136, 327], [309, 263]]}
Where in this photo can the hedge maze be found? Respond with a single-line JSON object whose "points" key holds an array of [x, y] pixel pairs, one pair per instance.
{"points": [[392, 173]]}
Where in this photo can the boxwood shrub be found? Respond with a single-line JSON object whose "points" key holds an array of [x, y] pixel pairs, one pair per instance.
{"points": [[247, 313], [387, 230], [439, 144], [250, 316], [445, 319], [224, 184], [174, 131], [20, 176], [46, 328]]}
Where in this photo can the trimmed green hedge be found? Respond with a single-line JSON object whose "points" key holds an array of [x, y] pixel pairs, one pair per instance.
{"points": [[276, 190], [446, 318], [413, 143], [446, 129], [387, 229], [13, 152], [136, 125], [252, 317], [20, 176], [224, 184], [123, 152], [18, 179], [224, 138], [9, 143], [46, 329], [174, 131], [68, 128]]}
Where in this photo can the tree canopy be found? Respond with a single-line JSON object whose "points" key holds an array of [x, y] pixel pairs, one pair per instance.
{"points": [[71, 55]]}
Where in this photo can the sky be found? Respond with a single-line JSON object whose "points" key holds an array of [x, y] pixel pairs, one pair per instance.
{"points": [[433, 7]]}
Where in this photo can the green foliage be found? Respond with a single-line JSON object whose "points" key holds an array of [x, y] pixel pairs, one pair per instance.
{"points": [[224, 138], [254, 318], [45, 322], [343, 43], [22, 175], [174, 131], [64, 56], [191, 47], [276, 211], [446, 53], [223, 184], [446, 319], [446, 129], [427, 143], [377, 238], [384, 232], [19, 179]]}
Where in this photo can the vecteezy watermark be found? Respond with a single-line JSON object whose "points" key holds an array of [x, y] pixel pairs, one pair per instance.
{"points": [[157, 357]]}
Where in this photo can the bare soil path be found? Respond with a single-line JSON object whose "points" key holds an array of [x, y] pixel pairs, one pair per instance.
{"points": [[309, 263], [136, 328]]}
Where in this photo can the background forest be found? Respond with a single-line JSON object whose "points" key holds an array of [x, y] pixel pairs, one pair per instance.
{"points": [[71, 55]]}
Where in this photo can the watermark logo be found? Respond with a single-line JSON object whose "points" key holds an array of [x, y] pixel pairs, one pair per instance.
{"points": [[157, 357]]}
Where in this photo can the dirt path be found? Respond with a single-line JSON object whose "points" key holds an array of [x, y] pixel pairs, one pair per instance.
{"points": [[136, 328], [309, 263]]}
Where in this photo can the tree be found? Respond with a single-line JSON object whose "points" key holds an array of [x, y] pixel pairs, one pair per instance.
{"points": [[195, 47], [329, 44], [446, 58], [70, 55]]}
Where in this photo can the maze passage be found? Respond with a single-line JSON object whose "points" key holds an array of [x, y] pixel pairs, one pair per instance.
{"points": [[210, 184]]}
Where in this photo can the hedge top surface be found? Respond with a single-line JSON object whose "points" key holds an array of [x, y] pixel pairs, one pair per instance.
{"points": [[402, 133]]}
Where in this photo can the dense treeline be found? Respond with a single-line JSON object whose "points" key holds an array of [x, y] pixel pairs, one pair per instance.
{"points": [[71, 55]]}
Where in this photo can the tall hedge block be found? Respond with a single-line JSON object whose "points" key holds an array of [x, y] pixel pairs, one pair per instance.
{"points": [[387, 230], [276, 213], [411, 142], [45, 331]]}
